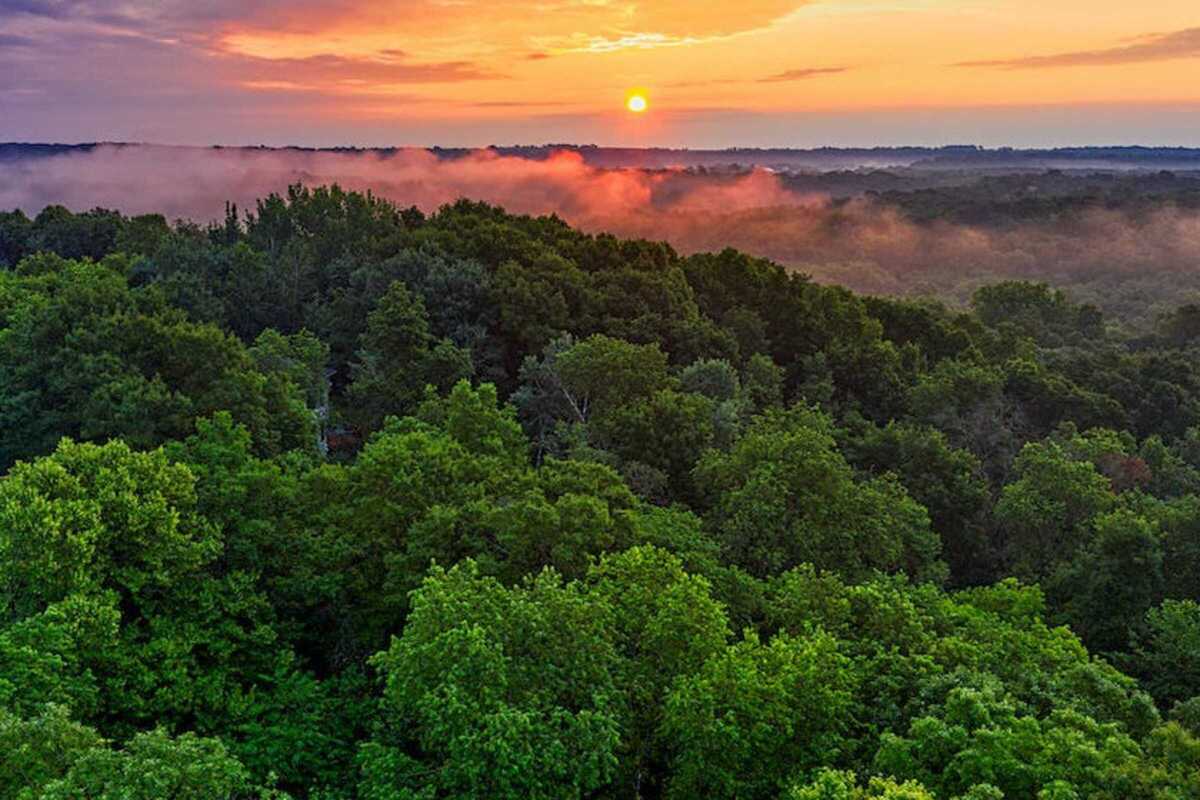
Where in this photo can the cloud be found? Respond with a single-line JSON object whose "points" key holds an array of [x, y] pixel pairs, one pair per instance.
{"points": [[55, 9], [782, 77], [802, 74], [702, 83], [673, 18], [705, 18], [1156, 47], [13, 40], [184, 55], [515, 28], [317, 27], [344, 74], [519, 104], [129, 68]]}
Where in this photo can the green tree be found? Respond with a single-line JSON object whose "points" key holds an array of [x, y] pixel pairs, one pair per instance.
{"points": [[762, 383], [92, 234], [1179, 531], [784, 495], [949, 482], [600, 373], [143, 235], [301, 358], [495, 692], [1046, 513], [398, 358], [757, 716], [113, 541], [833, 785], [978, 737], [40, 749], [667, 625], [83, 355], [1106, 589], [1166, 655], [14, 237], [668, 431], [154, 765], [966, 401], [713, 378]]}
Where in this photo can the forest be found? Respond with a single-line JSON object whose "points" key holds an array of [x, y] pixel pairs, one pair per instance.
{"points": [[341, 500]]}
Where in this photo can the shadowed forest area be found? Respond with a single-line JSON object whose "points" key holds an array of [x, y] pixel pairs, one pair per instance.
{"points": [[345, 500]]}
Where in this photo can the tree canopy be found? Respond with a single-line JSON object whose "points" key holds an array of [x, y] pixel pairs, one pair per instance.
{"points": [[342, 501]]}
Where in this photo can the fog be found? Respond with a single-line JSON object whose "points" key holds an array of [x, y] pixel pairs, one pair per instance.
{"points": [[195, 183], [862, 243]]}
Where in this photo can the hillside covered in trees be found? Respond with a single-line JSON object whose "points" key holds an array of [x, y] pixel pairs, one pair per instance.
{"points": [[342, 501]]}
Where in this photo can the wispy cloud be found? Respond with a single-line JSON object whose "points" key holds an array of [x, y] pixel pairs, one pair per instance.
{"points": [[333, 71], [54, 9], [519, 104], [1155, 47], [14, 40], [802, 74], [703, 83], [782, 77]]}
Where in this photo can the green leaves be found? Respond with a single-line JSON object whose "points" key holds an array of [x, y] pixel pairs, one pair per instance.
{"points": [[1167, 655], [154, 765], [783, 495], [95, 518], [978, 738], [50, 757], [85, 356], [49, 657], [398, 358], [600, 373], [41, 749], [679, 588], [1047, 511], [756, 714], [833, 785], [510, 691]]}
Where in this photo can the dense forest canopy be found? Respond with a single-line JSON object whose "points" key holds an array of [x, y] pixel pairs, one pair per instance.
{"points": [[339, 500]]}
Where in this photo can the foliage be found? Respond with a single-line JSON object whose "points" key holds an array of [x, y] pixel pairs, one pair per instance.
{"points": [[338, 500], [784, 495]]}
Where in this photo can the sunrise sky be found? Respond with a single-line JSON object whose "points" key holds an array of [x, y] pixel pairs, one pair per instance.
{"points": [[477, 72]]}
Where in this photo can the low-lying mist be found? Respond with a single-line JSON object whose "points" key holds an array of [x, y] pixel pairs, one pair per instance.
{"points": [[196, 183], [863, 242]]}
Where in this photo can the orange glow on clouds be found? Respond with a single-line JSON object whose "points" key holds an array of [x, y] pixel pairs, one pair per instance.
{"points": [[756, 55], [569, 61]]}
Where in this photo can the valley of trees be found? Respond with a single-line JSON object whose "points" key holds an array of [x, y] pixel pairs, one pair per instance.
{"points": [[340, 501]]}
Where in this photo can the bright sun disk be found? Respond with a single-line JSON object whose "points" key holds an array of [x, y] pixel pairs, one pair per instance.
{"points": [[637, 103]]}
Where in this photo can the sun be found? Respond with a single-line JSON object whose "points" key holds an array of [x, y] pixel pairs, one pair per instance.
{"points": [[637, 103]]}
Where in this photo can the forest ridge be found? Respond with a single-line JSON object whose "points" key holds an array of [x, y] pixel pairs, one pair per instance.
{"points": [[341, 500]]}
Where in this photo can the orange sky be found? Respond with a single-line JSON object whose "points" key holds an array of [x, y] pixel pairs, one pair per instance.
{"points": [[890, 52], [467, 67]]}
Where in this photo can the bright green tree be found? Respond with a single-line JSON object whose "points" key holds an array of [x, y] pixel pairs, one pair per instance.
{"points": [[757, 716], [495, 692]]}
